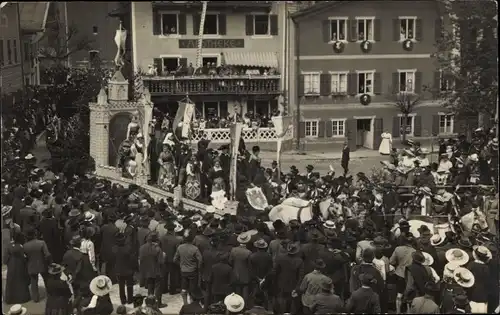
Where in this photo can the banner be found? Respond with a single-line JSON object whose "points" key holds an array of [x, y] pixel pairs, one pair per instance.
{"points": [[256, 198], [235, 132], [281, 125], [188, 117], [179, 115]]}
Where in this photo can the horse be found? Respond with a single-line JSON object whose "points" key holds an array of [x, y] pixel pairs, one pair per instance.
{"points": [[292, 209]]}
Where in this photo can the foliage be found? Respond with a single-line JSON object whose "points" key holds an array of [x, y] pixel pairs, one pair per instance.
{"points": [[405, 102], [468, 58]]}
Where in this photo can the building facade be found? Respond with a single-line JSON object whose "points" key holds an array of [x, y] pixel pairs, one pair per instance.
{"points": [[11, 71], [355, 63], [241, 59]]}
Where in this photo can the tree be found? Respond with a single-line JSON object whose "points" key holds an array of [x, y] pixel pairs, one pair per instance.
{"points": [[467, 56], [405, 102]]}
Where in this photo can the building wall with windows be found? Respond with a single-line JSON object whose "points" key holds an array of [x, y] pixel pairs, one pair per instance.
{"points": [[11, 72], [379, 49]]}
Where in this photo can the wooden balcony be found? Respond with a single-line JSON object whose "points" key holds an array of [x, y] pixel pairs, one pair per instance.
{"points": [[231, 85]]}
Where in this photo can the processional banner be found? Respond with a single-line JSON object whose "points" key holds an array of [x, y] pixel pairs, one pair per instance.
{"points": [[235, 133]]}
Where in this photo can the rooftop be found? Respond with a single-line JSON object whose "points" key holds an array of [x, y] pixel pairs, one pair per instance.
{"points": [[33, 15]]}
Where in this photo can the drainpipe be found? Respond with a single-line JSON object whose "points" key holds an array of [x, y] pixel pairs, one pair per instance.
{"points": [[297, 80]]}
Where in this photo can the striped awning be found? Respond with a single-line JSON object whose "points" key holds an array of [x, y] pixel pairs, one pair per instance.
{"points": [[251, 59]]}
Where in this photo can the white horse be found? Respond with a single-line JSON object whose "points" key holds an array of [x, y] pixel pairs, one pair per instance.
{"points": [[299, 209]]}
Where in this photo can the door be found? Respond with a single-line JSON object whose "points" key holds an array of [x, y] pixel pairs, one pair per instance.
{"points": [[378, 129], [351, 133], [117, 134], [368, 134]]}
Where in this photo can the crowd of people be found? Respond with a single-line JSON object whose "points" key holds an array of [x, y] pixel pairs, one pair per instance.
{"points": [[364, 254]]}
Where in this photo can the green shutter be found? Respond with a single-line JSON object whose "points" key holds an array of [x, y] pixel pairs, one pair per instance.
{"points": [[396, 125], [182, 24], [222, 24], [417, 129], [274, 24]]}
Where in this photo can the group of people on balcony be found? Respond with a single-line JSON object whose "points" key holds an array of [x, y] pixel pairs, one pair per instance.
{"points": [[210, 69], [250, 119]]}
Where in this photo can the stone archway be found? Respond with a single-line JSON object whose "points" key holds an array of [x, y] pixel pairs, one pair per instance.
{"points": [[117, 133]]}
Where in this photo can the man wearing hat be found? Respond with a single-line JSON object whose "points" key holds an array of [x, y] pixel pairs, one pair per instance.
{"points": [[239, 258], [312, 284], [151, 259], [169, 244], [309, 169], [425, 304], [189, 258], [52, 235], [38, 259], [260, 264], [479, 268], [364, 300], [288, 272]]}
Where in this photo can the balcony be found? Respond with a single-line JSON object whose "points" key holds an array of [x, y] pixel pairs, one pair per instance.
{"points": [[227, 85], [223, 135]]}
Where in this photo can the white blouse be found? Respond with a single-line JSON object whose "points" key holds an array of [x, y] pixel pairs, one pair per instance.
{"points": [[87, 247]]}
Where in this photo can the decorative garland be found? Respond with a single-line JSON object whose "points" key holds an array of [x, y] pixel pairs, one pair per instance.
{"points": [[408, 45], [338, 47], [365, 99], [366, 46]]}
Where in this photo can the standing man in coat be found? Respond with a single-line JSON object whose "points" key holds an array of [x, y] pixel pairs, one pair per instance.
{"points": [[151, 259], [52, 235], [345, 158], [239, 260], [189, 258], [38, 257], [169, 244]]}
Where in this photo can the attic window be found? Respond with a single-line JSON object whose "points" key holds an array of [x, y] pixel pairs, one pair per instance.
{"points": [[94, 30]]}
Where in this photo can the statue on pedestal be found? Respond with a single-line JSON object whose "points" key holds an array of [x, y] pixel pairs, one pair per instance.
{"points": [[134, 126], [138, 154]]}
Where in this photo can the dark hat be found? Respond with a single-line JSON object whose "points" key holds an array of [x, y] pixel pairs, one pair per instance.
{"points": [[278, 225], [292, 249], [55, 269], [76, 239], [224, 147], [424, 231], [294, 224], [465, 242], [74, 213], [418, 256], [260, 243], [404, 224], [461, 300], [431, 287], [274, 163], [381, 242], [121, 310], [120, 237], [309, 167], [208, 231], [318, 264], [153, 237], [315, 236]]}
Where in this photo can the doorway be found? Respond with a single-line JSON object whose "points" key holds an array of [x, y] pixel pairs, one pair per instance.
{"points": [[364, 134]]}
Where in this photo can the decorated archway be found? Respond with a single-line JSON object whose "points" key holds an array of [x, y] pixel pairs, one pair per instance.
{"points": [[117, 134]]}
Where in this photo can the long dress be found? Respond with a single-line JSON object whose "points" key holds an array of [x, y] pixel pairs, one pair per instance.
{"points": [[166, 174], [138, 153], [18, 281], [58, 295], [386, 144], [192, 187]]}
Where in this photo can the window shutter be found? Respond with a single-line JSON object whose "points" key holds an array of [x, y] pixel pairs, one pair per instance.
{"points": [[352, 83], [417, 129], [437, 84], [301, 85], [302, 129], [196, 24], [438, 24], [183, 62], [326, 31], [377, 85], [396, 30], [182, 24], [351, 133], [418, 82], [328, 129], [156, 23], [321, 129], [274, 24], [353, 30], [378, 129], [158, 65], [377, 34], [249, 25], [222, 24], [395, 82], [419, 30], [435, 125], [396, 125], [325, 82]]}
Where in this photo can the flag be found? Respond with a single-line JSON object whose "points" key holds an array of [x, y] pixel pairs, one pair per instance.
{"points": [[179, 115], [186, 121], [235, 132]]}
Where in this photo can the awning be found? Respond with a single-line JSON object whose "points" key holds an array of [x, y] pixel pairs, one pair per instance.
{"points": [[251, 59]]}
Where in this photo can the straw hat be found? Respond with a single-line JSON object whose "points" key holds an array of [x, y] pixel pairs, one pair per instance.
{"points": [[449, 269], [464, 277], [481, 253], [178, 227], [244, 238], [457, 256], [426, 190], [474, 157], [17, 309], [100, 285], [29, 157], [89, 216], [234, 303], [329, 224], [429, 260], [55, 269], [6, 210], [437, 240]]}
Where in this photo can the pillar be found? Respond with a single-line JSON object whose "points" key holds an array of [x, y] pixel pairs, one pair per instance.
{"points": [[99, 133]]}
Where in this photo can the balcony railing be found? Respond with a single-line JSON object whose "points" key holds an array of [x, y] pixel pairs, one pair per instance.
{"points": [[223, 135], [230, 85]]}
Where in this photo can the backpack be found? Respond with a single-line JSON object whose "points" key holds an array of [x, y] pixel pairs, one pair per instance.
{"points": [[411, 289]]}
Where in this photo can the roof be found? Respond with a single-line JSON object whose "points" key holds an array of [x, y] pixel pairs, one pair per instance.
{"points": [[118, 77], [316, 8], [33, 15], [252, 59]]}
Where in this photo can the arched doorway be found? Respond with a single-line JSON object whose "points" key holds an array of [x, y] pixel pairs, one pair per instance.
{"points": [[117, 134]]}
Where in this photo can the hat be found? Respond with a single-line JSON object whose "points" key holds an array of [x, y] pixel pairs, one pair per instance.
{"points": [[424, 151], [464, 277], [208, 231], [234, 303], [260, 243], [461, 300], [431, 286], [6, 210], [404, 224], [426, 190], [329, 224], [449, 268], [74, 213], [55, 269], [408, 152], [464, 241], [100, 285], [292, 249], [309, 167], [429, 260], [99, 186], [178, 227], [494, 142], [278, 225], [318, 264], [436, 240], [481, 253], [418, 256], [424, 231], [17, 309], [457, 256], [381, 242], [474, 157], [89, 216], [243, 238], [29, 156]]}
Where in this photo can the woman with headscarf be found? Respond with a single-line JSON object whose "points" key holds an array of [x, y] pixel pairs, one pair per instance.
{"points": [[18, 281], [166, 174], [59, 291]]}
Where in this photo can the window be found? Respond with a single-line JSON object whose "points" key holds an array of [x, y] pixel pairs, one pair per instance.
{"points": [[27, 80], [365, 29], [27, 51], [4, 20], [169, 24], [211, 24], [212, 109], [9, 53], [445, 82], [406, 81], [210, 60], [263, 108], [338, 29], [446, 124], [338, 128], [94, 57], [261, 24], [311, 83], [365, 82], [170, 64], [409, 125], [14, 48], [311, 128], [95, 30], [1, 53], [407, 28], [339, 82]]}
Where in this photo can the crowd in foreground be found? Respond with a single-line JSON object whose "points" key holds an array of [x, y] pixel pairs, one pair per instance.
{"points": [[83, 234]]}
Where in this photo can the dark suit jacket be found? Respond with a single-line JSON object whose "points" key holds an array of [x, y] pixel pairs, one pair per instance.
{"points": [[124, 262], [310, 252], [52, 235], [220, 279], [193, 308], [29, 218], [363, 301], [72, 262], [345, 157], [108, 240], [38, 256], [288, 271], [260, 264], [151, 260], [238, 258], [169, 244], [210, 257]]}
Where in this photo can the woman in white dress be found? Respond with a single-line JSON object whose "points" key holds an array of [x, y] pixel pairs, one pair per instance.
{"points": [[386, 144], [138, 153]]}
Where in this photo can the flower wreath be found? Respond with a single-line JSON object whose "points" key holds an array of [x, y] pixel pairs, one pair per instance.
{"points": [[408, 45], [366, 46], [338, 47], [365, 99]]}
